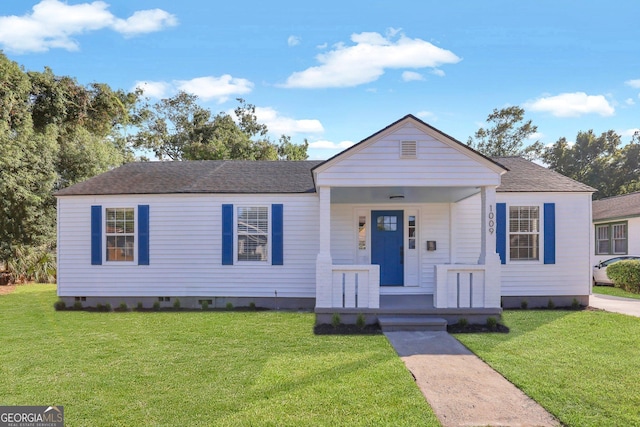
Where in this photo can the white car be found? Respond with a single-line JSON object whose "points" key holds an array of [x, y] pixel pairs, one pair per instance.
{"points": [[600, 270]]}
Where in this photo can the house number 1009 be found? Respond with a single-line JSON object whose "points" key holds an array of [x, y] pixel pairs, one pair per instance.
{"points": [[491, 222]]}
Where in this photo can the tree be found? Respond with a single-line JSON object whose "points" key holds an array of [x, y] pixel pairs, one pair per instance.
{"points": [[27, 168], [507, 135], [88, 122], [177, 128], [597, 161]]}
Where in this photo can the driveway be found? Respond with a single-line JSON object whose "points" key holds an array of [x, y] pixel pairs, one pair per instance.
{"points": [[615, 304]]}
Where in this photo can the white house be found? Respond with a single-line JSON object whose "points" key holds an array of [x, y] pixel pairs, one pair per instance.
{"points": [[408, 221], [616, 227]]}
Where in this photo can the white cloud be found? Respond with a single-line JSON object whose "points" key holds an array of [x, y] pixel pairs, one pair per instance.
{"points": [[293, 40], [633, 83], [535, 136], [154, 89], [367, 59], [329, 145], [215, 88], [437, 72], [279, 125], [629, 132], [207, 88], [572, 105], [630, 101], [145, 21], [410, 76], [426, 115], [53, 24]]}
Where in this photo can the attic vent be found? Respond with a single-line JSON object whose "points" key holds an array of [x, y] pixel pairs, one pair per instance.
{"points": [[408, 150]]}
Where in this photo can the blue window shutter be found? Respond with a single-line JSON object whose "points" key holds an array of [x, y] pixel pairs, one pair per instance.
{"points": [[549, 233], [277, 244], [501, 231], [227, 234], [143, 234], [96, 235]]}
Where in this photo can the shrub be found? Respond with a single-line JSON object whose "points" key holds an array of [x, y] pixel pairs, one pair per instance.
{"points": [[625, 275], [551, 305], [575, 304], [204, 304], [229, 306], [77, 305], [524, 304], [59, 305], [156, 306], [139, 306], [463, 322], [335, 320], [252, 305], [107, 307], [123, 306], [492, 323], [176, 303], [361, 321]]}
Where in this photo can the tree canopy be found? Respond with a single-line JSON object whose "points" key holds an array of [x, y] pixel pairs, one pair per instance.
{"points": [[507, 135], [177, 128], [600, 161]]}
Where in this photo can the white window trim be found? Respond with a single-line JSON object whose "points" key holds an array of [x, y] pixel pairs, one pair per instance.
{"points": [[610, 226], [540, 233], [104, 236], [243, 262]]}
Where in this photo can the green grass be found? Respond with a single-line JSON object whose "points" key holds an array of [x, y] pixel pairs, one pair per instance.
{"points": [[613, 291], [582, 366], [198, 369]]}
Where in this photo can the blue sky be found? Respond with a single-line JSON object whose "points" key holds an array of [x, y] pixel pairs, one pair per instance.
{"points": [[335, 72]]}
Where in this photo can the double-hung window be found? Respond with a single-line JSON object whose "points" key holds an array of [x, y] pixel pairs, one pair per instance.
{"points": [[611, 239], [253, 233], [524, 233], [120, 234]]}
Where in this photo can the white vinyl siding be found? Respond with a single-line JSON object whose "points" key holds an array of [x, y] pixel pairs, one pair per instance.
{"points": [[185, 243], [571, 273], [436, 164]]}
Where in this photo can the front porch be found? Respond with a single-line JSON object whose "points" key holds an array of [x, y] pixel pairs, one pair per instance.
{"points": [[440, 281], [412, 307]]}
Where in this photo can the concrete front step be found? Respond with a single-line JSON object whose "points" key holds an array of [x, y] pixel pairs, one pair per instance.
{"points": [[411, 323]]}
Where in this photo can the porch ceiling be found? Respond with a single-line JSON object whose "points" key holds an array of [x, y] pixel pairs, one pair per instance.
{"points": [[380, 195]]}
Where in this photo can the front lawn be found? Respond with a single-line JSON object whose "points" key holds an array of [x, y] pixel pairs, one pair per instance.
{"points": [[615, 292], [195, 368], [582, 366]]}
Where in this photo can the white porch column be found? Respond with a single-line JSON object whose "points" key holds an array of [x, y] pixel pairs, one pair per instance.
{"points": [[324, 262], [488, 255]]}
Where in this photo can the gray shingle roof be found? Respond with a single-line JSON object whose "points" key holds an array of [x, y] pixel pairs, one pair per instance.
{"points": [[214, 176], [525, 176], [626, 205], [254, 177]]}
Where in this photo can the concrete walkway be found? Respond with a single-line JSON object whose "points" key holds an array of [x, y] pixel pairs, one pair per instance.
{"points": [[616, 304], [461, 388]]}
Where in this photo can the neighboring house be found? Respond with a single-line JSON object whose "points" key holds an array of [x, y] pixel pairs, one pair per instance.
{"points": [[616, 227], [409, 220]]}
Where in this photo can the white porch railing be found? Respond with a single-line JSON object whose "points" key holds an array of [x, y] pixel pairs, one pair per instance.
{"points": [[460, 286], [355, 286]]}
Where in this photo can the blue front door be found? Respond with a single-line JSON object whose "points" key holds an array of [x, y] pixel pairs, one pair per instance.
{"points": [[386, 246]]}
